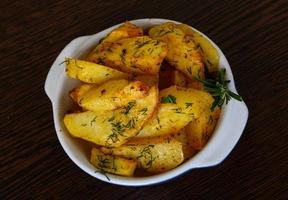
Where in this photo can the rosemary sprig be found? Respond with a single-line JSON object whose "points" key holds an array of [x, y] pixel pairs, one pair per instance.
{"points": [[218, 88]]}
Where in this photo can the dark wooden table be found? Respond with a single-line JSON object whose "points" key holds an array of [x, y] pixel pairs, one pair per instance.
{"points": [[252, 34]]}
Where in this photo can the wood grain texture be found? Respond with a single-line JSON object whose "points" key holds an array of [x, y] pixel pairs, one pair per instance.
{"points": [[253, 36]]}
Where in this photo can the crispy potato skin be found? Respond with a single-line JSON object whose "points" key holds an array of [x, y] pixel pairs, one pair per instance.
{"points": [[172, 117], [112, 164], [182, 52], [114, 127], [200, 130], [207, 50], [154, 155], [89, 72], [138, 55]]}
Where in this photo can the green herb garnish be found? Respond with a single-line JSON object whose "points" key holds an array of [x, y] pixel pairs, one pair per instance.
{"points": [[147, 155], [168, 99], [218, 88], [127, 108]]}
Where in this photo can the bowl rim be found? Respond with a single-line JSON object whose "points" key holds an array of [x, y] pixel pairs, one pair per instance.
{"points": [[207, 157]]}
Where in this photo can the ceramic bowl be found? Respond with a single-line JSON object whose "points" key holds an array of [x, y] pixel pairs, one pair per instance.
{"points": [[228, 130]]}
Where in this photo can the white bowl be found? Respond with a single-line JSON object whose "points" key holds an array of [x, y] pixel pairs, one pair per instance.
{"points": [[228, 131]]}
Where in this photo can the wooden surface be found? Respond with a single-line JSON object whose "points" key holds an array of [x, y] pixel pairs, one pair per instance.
{"points": [[252, 34]]}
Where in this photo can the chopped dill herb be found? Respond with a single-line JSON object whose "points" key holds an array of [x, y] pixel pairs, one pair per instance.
{"points": [[178, 111], [83, 125], [147, 155], [130, 105], [101, 171], [143, 111], [111, 119], [189, 70], [188, 104], [93, 121], [168, 99], [130, 124]]}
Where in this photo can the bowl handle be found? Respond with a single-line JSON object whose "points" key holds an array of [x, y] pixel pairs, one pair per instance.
{"points": [[227, 137], [55, 72]]}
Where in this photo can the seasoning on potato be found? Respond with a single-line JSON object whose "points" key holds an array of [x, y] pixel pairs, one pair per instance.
{"points": [[132, 125]]}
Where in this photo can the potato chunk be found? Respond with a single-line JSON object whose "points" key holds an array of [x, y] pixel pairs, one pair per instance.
{"points": [[89, 72], [200, 129], [138, 55], [182, 52], [153, 154], [113, 128], [112, 95], [178, 107], [188, 150], [112, 164], [126, 30], [207, 50]]}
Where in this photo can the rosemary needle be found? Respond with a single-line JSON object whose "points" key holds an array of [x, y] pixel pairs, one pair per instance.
{"points": [[218, 88]]}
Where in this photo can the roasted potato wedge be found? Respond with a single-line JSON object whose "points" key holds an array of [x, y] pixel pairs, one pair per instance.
{"points": [[126, 30], [89, 72], [199, 130], [208, 51], [112, 95], [182, 52], [188, 150], [77, 93], [178, 107], [112, 164], [154, 155], [113, 128], [138, 55]]}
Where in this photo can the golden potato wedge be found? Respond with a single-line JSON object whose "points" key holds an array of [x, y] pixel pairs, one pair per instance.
{"points": [[199, 130], [138, 55], [113, 128], [89, 72], [182, 52], [112, 95], [77, 93], [112, 164], [178, 107], [208, 51], [182, 137], [126, 30], [152, 154]]}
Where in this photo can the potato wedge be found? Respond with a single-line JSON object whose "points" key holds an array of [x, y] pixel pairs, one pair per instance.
{"points": [[178, 107], [112, 164], [110, 95], [113, 128], [138, 55], [182, 137], [89, 72], [182, 52], [208, 51], [126, 30], [77, 93], [154, 155], [199, 130]]}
